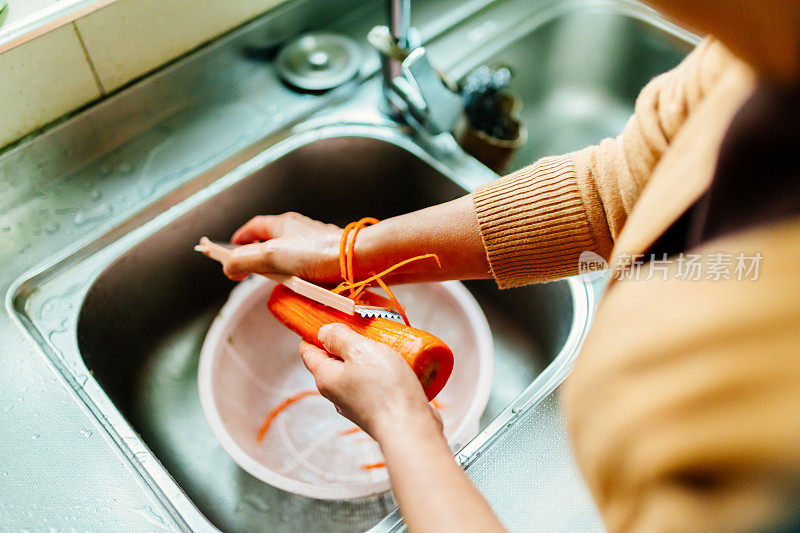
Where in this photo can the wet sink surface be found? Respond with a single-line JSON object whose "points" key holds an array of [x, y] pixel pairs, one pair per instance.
{"points": [[141, 333]]}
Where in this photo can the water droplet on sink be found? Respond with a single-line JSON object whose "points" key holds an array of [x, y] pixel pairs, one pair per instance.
{"points": [[151, 516], [95, 195], [36, 436], [105, 170], [93, 215], [86, 432], [57, 337], [51, 227], [256, 503], [125, 168]]}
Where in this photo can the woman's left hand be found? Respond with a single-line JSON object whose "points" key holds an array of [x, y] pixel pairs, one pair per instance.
{"points": [[373, 386], [369, 383]]}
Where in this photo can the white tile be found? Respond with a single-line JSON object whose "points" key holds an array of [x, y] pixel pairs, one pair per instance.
{"points": [[42, 80], [132, 37]]}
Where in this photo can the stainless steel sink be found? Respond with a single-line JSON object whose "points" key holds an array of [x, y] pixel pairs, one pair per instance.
{"points": [[146, 301], [144, 318], [123, 314]]}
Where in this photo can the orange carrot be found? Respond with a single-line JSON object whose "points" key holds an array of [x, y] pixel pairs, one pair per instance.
{"points": [[373, 465], [280, 408], [429, 357]]}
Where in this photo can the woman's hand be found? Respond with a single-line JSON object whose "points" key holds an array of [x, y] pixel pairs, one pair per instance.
{"points": [[374, 387], [294, 244], [369, 383]]}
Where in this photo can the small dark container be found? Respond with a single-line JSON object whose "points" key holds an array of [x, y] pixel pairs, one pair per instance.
{"points": [[493, 152]]}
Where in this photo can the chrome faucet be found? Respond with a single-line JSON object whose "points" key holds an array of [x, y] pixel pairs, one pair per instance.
{"points": [[413, 90]]}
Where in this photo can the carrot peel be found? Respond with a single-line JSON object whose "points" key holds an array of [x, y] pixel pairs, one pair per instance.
{"points": [[280, 408]]}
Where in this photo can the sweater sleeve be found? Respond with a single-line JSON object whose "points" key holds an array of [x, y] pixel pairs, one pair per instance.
{"points": [[682, 407], [536, 222]]}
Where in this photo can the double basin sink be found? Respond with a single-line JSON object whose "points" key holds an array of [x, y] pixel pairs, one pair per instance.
{"points": [[124, 317]]}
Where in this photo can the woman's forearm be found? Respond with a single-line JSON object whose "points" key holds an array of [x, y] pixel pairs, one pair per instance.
{"points": [[449, 230], [433, 492]]}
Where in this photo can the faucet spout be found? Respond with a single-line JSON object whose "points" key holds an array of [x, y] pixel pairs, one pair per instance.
{"points": [[398, 14], [414, 92]]}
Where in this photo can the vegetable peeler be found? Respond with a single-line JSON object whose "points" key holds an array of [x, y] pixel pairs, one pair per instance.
{"points": [[221, 252]]}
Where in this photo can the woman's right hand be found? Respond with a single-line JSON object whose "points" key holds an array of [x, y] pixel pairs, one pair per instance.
{"points": [[292, 244]]}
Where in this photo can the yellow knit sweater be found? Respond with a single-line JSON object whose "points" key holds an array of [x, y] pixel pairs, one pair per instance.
{"points": [[684, 404], [537, 221]]}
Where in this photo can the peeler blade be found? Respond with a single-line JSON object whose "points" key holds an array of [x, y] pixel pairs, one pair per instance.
{"points": [[377, 312]]}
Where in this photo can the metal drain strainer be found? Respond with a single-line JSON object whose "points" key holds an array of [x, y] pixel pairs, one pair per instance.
{"points": [[318, 61]]}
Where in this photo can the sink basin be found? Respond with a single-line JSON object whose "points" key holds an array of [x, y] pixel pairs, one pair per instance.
{"points": [[578, 68], [145, 316]]}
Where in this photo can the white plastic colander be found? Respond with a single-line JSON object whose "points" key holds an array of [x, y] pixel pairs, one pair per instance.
{"points": [[250, 363]]}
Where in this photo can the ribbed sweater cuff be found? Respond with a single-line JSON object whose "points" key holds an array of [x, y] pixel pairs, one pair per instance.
{"points": [[534, 223]]}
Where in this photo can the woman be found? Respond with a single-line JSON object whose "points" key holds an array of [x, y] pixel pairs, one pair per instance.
{"points": [[683, 406]]}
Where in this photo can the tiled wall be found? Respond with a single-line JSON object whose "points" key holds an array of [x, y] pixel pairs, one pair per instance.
{"points": [[71, 66]]}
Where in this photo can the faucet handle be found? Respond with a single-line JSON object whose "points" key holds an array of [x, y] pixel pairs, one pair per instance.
{"points": [[412, 86], [443, 106]]}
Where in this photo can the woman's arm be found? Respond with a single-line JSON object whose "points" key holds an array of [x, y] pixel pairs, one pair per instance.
{"points": [[374, 387], [298, 245], [537, 221], [529, 226], [433, 492]]}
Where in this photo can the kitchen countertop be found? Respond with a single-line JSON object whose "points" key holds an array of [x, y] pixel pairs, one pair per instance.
{"points": [[59, 467]]}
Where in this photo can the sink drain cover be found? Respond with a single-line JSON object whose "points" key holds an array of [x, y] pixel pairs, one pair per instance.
{"points": [[318, 61]]}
